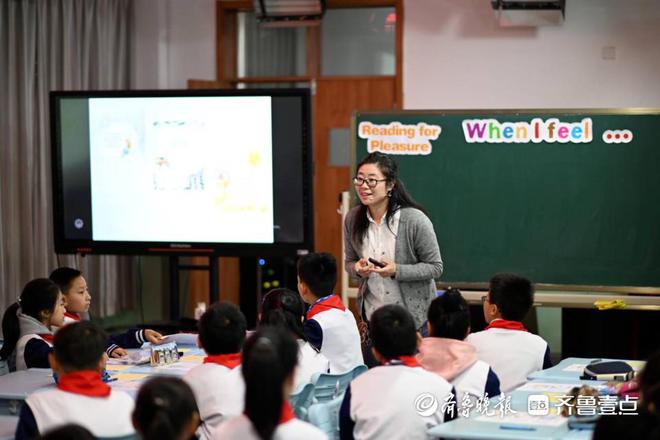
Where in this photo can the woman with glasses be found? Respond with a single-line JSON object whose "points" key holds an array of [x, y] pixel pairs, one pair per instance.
{"points": [[390, 244]]}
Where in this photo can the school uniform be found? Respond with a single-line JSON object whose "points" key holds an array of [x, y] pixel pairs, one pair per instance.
{"points": [[133, 338], [456, 362], [310, 362], [397, 400], [331, 328], [81, 398], [511, 351], [219, 390], [289, 428], [34, 343]]}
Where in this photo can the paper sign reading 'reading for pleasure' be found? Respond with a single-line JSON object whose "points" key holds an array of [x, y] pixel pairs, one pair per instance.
{"points": [[398, 138]]}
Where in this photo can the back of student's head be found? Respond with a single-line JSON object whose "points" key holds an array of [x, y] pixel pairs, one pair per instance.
{"points": [[449, 315], [513, 295], [80, 346], [319, 272], [393, 332], [269, 358], [222, 329], [283, 308], [649, 384], [38, 296], [70, 431], [64, 276], [165, 408]]}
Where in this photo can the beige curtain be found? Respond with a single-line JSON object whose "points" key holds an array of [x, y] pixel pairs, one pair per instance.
{"points": [[53, 45]]}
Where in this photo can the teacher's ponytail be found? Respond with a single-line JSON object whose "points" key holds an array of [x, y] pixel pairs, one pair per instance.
{"points": [[269, 358]]}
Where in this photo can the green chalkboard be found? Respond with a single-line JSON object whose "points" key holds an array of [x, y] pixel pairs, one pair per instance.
{"points": [[582, 208]]}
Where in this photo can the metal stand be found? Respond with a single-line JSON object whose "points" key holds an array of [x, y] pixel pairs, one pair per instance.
{"points": [[175, 296]]}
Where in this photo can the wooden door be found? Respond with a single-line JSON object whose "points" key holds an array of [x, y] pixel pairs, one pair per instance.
{"points": [[334, 101]]}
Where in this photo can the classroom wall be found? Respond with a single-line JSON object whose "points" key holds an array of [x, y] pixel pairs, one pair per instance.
{"points": [[456, 56], [174, 41]]}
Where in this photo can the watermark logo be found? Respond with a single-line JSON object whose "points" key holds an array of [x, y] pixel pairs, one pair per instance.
{"points": [[426, 404], [538, 405]]}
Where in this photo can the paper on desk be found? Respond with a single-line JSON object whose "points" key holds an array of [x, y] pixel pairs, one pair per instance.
{"points": [[575, 368], [548, 387], [111, 367], [126, 377], [522, 418], [193, 358]]}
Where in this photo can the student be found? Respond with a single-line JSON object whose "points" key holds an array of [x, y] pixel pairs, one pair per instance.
{"points": [[217, 383], [645, 425], [81, 396], [330, 326], [68, 432], [76, 302], [505, 344], [165, 409], [384, 401], [26, 325], [446, 353], [284, 308], [269, 360]]}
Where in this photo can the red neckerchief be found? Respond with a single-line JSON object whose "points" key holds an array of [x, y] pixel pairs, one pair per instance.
{"points": [[230, 361], [508, 325], [287, 413], [408, 361], [48, 337], [74, 316], [86, 383], [331, 302]]}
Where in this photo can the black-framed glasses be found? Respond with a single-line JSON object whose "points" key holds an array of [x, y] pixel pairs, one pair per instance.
{"points": [[371, 182]]}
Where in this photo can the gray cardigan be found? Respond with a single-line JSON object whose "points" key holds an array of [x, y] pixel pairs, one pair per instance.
{"points": [[417, 258]]}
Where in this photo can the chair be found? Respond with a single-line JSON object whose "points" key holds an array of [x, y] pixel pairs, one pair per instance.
{"points": [[301, 401], [330, 386], [325, 416]]}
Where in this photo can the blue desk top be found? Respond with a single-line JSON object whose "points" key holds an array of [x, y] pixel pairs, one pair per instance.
{"points": [[570, 370]]}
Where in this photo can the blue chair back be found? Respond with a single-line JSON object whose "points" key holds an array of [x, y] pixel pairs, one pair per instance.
{"points": [[325, 416], [330, 386], [301, 401]]}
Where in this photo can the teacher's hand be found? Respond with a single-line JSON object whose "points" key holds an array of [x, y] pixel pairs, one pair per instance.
{"points": [[363, 268], [387, 271]]}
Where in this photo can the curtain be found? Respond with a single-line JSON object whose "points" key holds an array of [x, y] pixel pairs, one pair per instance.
{"points": [[53, 45]]}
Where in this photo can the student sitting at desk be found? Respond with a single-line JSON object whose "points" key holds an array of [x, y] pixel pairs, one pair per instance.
{"points": [[217, 383], [506, 345], [81, 396], [284, 308], [445, 353], [330, 326], [384, 402], [270, 356], [26, 325], [166, 409], [77, 301]]}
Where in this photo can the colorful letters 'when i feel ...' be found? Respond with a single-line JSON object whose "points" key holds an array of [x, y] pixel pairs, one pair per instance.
{"points": [[538, 130]]}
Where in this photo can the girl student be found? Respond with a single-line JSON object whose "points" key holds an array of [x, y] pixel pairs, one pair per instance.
{"points": [[27, 325]]}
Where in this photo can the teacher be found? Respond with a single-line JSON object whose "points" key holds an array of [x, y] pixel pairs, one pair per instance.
{"points": [[389, 227]]}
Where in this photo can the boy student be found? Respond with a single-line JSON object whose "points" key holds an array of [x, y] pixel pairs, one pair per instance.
{"points": [[81, 397], [506, 344], [217, 383], [76, 302], [385, 401], [330, 326], [446, 353]]}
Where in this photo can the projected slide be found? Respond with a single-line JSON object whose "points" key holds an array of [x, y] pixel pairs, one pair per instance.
{"points": [[182, 169]]}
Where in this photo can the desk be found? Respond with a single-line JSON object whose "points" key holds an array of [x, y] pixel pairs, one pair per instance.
{"points": [[16, 386], [552, 382], [570, 370]]}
